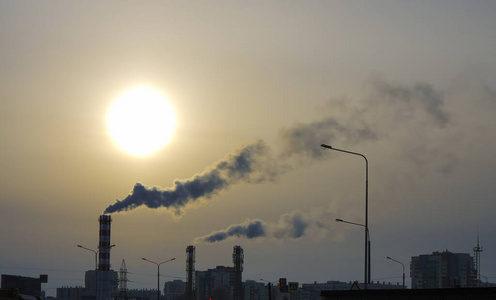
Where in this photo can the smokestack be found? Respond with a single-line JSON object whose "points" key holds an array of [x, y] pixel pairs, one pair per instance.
{"points": [[238, 260], [190, 272], [104, 244]]}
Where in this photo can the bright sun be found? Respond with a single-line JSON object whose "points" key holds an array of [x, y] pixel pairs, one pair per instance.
{"points": [[141, 121]]}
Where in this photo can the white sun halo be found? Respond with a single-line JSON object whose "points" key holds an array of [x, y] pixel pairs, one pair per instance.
{"points": [[141, 121]]}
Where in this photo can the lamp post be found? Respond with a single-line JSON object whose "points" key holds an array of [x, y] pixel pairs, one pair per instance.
{"points": [[368, 241], [403, 269], [96, 268], [158, 272], [269, 286], [367, 261], [94, 251]]}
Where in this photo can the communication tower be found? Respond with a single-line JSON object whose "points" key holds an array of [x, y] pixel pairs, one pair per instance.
{"points": [[477, 251]]}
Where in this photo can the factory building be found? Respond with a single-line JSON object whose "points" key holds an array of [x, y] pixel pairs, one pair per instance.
{"points": [[219, 283], [24, 285]]}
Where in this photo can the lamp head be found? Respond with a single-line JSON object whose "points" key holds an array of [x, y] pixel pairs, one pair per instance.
{"points": [[339, 220], [143, 258], [388, 257], [324, 146]]}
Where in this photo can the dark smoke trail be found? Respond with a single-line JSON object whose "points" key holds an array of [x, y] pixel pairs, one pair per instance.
{"points": [[422, 95], [250, 229], [251, 163], [301, 139], [293, 225]]}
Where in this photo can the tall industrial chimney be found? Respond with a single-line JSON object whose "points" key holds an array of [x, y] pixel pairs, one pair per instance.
{"points": [[190, 273], [104, 275], [238, 260], [104, 244]]}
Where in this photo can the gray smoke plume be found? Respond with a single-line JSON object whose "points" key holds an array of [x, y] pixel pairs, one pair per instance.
{"points": [[421, 95], [301, 138], [249, 229], [253, 163], [250, 163], [292, 225]]}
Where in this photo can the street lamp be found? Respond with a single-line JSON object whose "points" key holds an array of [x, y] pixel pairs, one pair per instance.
{"points": [[367, 261], [403, 269], [94, 251], [269, 286], [96, 266], [158, 272], [368, 241]]}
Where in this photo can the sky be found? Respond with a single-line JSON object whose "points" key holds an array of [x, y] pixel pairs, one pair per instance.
{"points": [[256, 87]]}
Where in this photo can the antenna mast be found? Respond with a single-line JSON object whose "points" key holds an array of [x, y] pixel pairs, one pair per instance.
{"points": [[477, 251]]}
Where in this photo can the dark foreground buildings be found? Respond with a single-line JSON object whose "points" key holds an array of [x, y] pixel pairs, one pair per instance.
{"points": [[440, 275], [24, 285], [443, 270], [420, 294]]}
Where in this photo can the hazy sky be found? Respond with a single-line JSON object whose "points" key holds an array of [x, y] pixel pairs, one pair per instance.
{"points": [[257, 86]]}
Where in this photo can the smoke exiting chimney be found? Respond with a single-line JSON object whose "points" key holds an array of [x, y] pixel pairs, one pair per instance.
{"points": [[250, 163]]}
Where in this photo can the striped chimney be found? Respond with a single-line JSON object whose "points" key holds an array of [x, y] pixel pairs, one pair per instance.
{"points": [[104, 245]]}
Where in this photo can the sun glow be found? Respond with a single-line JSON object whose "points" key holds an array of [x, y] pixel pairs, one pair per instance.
{"points": [[141, 121]]}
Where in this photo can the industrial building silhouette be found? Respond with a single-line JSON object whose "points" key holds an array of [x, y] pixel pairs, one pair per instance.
{"points": [[455, 275]]}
